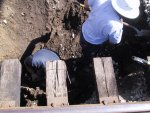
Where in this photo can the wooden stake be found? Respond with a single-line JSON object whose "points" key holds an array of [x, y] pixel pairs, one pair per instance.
{"points": [[56, 88], [106, 81], [10, 82]]}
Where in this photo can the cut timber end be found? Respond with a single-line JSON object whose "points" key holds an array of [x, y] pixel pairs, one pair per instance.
{"points": [[106, 81], [56, 88], [10, 81]]}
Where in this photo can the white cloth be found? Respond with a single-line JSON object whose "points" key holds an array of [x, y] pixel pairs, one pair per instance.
{"points": [[102, 24]]}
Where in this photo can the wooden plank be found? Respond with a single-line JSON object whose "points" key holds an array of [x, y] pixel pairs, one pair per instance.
{"points": [[56, 88], [100, 78], [106, 81], [10, 81], [110, 77]]}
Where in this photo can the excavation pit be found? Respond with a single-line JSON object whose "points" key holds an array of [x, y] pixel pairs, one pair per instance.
{"points": [[27, 26]]}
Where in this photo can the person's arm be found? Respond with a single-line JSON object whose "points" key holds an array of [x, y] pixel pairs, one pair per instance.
{"points": [[115, 37], [112, 32], [115, 33]]}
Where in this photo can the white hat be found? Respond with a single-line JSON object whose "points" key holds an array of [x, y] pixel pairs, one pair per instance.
{"points": [[127, 8]]}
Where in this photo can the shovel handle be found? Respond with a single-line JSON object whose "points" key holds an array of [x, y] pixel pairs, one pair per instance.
{"points": [[131, 26]]}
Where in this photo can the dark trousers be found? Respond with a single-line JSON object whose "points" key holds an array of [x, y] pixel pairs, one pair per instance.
{"points": [[91, 50]]}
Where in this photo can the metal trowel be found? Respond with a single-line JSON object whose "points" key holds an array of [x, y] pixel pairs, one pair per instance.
{"points": [[141, 61]]}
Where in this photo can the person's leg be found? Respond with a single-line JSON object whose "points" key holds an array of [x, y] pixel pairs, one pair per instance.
{"points": [[30, 69]]}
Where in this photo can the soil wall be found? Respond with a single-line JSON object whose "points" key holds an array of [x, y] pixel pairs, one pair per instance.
{"points": [[21, 21]]}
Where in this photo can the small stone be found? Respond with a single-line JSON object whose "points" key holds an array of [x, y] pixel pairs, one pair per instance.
{"points": [[5, 21], [73, 35], [61, 45], [63, 48], [25, 96], [22, 13]]}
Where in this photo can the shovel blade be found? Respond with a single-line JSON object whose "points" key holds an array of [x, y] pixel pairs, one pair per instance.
{"points": [[144, 32]]}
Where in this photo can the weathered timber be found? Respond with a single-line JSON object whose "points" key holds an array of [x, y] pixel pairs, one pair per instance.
{"points": [[100, 77], [56, 88], [106, 81], [10, 82], [110, 77]]}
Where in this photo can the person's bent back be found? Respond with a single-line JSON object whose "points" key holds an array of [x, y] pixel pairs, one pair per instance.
{"points": [[36, 63]]}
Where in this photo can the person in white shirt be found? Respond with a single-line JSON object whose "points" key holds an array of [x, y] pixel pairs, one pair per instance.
{"points": [[104, 22]]}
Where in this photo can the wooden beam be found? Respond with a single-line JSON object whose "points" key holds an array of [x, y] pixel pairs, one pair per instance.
{"points": [[110, 77], [10, 82], [100, 77], [106, 81], [56, 88]]}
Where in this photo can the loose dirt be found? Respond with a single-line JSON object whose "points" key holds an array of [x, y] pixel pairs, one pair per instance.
{"points": [[28, 25]]}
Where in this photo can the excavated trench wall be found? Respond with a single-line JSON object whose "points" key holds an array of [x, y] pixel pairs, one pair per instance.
{"points": [[21, 22]]}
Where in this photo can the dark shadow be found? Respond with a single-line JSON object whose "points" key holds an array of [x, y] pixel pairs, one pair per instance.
{"points": [[81, 1], [82, 89], [1, 3], [28, 52], [128, 71], [72, 18], [26, 78], [32, 44]]}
